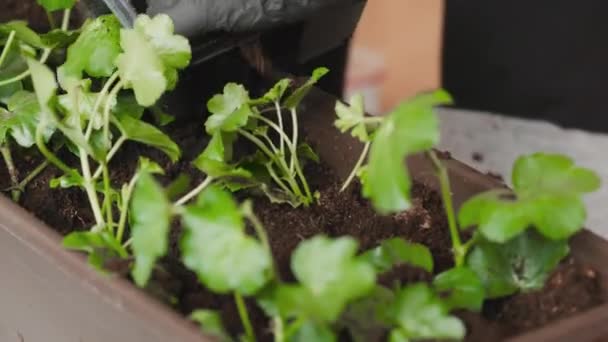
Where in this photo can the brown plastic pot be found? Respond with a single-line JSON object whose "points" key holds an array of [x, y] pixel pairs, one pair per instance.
{"points": [[49, 294]]}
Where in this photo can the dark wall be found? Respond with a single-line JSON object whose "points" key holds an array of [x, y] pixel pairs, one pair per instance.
{"points": [[545, 59]]}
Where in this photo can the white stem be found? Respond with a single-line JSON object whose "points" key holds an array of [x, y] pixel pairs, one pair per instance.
{"points": [[113, 151], [294, 140], [7, 47], [187, 197], [65, 23], [280, 119], [357, 166]]}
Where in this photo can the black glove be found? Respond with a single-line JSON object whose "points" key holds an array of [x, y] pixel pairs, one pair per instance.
{"points": [[192, 17]]}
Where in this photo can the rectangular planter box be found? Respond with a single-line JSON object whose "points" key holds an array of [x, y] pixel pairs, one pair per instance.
{"points": [[49, 294]]}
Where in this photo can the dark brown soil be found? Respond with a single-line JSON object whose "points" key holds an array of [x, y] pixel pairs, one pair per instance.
{"points": [[27, 10]]}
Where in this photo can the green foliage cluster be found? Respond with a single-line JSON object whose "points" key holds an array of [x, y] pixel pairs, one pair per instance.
{"points": [[95, 101]]}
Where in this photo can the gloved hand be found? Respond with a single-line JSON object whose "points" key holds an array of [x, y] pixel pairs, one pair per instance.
{"points": [[192, 17]]}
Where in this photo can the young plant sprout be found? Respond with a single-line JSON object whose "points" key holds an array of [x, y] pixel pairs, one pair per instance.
{"points": [[95, 125], [233, 114]]}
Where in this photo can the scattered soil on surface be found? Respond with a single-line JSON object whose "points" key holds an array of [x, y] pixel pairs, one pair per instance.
{"points": [[478, 157]]}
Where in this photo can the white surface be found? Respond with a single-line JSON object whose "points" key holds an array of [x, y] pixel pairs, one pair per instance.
{"points": [[501, 140]]}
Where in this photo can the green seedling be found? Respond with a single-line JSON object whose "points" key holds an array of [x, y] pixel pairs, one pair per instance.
{"points": [[234, 114], [134, 67]]}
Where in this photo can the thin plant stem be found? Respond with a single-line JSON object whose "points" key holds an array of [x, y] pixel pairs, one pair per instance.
{"points": [[276, 178], [240, 304], [50, 156], [280, 120], [278, 129], [51, 19], [104, 165], [106, 111], [293, 328], [45, 55], [12, 171], [102, 94], [110, 155], [294, 140], [190, 195], [279, 333], [43, 58], [32, 175], [304, 182], [353, 173], [281, 163], [259, 231], [65, 22], [258, 227], [122, 221], [90, 188], [107, 199], [7, 47], [293, 152], [446, 194], [273, 147]]}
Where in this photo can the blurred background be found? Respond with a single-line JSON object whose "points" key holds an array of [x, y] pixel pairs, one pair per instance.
{"points": [[525, 78]]}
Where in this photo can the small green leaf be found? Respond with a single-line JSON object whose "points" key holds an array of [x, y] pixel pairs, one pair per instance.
{"points": [[99, 247], [23, 118], [275, 94], [366, 319], [152, 55], [59, 38], [548, 196], [174, 50], [213, 160], [323, 266], [45, 86], [298, 95], [306, 152], [149, 166], [160, 117], [141, 67], [22, 32], [420, 314], [230, 110], [411, 128], [211, 324], [4, 116], [312, 331], [397, 251], [522, 264], [94, 52], [67, 181], [55, 5], [142, 132], [463, 288], [553, 173], [14, 65], [44, 82], [89, 242], [351, 118], [215, 246], [151, 217]]}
